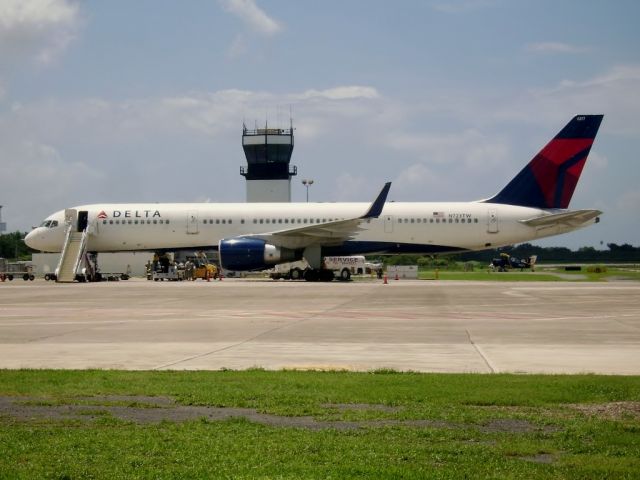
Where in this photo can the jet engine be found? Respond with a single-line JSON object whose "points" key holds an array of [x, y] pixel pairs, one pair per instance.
{"points": [[242, 254]]}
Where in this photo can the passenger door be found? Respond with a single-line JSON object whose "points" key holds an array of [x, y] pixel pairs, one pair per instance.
{"points": [[192, 222], [492, 222]]}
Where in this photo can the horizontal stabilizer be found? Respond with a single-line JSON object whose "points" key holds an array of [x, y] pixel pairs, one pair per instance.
{"points": [[574, 218]]}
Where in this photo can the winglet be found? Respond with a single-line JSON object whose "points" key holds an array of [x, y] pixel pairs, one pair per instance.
{"points": [[378, 204]]}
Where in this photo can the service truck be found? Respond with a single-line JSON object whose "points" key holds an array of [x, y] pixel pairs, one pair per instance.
{"points": [[341, 266]]}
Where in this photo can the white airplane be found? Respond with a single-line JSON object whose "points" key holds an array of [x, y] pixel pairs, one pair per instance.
{"points": [[256, 236]]}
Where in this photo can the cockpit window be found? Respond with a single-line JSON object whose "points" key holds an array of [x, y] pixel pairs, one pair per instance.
{"points": [[49, 224]]}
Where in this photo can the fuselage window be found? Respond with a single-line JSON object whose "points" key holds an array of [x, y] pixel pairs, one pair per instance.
{"points": [[230, 221], [450, 220], [242, 221], [279, 220], [166, 222], [475, 220], [217, 221], [412, 220], [261, 221], [155, 222], [431, 220], [104, 222], [437, 220], [457, 221]]}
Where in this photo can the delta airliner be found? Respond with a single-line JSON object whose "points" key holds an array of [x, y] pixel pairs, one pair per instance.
{"points": [[256, 236]]}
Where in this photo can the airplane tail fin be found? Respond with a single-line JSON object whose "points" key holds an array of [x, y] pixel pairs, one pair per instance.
{"points": [[549, 179]]}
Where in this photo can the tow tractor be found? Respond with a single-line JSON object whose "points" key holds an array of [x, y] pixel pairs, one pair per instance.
{"points": [[505, 262]]}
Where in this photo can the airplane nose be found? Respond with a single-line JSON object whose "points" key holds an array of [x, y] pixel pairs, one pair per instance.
{"points": [[32, 239]]}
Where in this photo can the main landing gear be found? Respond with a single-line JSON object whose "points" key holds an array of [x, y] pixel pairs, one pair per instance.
{"points": [[318, 275]]}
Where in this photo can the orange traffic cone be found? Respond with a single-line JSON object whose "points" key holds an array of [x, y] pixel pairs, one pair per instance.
{"points": [[386, 280]]}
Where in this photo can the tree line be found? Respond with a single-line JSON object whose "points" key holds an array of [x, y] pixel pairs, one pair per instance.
{"points": [[12, 246], [615, 253]]}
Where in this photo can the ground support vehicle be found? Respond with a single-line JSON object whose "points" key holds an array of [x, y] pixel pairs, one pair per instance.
{"points": [[505, 262], [11, 270], [172, 274], [340, 267]]}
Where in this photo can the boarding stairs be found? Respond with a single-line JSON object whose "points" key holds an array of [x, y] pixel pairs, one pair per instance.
{"points": [[75, 248]]}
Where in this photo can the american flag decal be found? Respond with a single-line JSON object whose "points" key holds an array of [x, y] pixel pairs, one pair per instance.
{"points": [[102, 214]]}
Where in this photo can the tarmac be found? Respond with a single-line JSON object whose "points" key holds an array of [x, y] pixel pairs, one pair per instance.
{"points": [[408, 325]]}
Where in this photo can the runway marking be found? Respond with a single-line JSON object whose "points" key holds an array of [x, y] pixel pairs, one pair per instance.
{"points": [[255, 337], [480, 352]]}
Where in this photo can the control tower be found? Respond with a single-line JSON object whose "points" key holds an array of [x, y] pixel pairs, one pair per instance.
{"points": [[3, 226], [268, 173]]}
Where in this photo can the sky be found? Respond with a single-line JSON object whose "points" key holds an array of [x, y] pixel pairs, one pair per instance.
{"points": [[144, 101]]}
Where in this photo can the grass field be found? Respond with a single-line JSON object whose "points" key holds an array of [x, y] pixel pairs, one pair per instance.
{"points": [[542, 274], [285, 425]]}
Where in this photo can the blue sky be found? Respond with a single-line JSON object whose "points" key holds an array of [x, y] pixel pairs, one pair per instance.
{"points": [[144, 101]]}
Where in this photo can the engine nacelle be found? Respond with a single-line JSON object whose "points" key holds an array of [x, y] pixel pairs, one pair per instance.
{"points": [[242, 254]]}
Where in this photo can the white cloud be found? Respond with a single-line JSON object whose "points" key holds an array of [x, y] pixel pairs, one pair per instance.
{"points": [[612, 93], [253, 16], [342, 93], [555, 47], [415, 175], [238, 47], [36, 29], [469, 148]]}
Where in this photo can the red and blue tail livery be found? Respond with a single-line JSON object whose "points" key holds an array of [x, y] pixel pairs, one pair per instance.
{"points": [[549, 179]]}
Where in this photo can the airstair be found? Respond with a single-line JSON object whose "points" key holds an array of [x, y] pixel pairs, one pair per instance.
{"points": [[73, 253]]}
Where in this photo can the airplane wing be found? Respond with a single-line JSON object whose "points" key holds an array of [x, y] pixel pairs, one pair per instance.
{"points": [[573, 219], [328, 233]]}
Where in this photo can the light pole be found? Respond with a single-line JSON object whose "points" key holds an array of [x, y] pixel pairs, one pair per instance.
{"points": [[307, 182]]}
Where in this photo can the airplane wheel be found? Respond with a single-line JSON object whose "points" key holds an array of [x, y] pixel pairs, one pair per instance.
{"points": [[311, 275], [295, 274], [32, 278], [345, 275], [25, 277], [326, 275]]}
